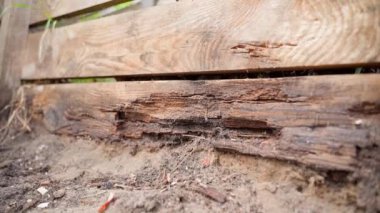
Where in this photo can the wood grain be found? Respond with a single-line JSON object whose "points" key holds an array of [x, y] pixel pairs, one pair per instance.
{"points": [[13, 35], [211, 36], [321, 121], [45, 9], [166, 2]]}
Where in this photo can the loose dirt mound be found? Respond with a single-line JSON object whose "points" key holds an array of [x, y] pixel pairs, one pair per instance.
{"points": [[80, 174]]}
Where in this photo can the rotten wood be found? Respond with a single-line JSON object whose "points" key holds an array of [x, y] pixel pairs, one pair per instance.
{"points": [[211, 37], [322, 121], [13, 34], [42, 10]]}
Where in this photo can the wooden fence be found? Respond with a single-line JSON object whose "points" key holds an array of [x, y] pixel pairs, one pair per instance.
{"points": [[202, 55], [322, 121]]}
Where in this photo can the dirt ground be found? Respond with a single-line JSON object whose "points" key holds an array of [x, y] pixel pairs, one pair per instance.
{"points": [[80, 174]]}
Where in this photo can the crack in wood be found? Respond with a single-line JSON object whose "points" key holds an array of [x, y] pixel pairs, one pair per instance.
{"points": [[366, 108], [257, 49]]}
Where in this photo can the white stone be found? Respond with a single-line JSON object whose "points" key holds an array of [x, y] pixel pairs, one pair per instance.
{"points": [[43, 205], [42, 190]]}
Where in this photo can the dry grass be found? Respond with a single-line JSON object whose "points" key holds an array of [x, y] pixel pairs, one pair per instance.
{"points": [[18, 119]]}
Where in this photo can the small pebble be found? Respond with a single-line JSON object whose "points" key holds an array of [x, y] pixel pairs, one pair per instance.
{"points": [[42, 190], [43, 205], [59, 193], [359, 122], [271, 188], [151, 205]]}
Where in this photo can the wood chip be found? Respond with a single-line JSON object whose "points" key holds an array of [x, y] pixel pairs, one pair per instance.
{"points": [[211, 192]]}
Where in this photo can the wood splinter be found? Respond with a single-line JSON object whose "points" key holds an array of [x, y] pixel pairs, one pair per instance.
{"points": [[210, 192]]}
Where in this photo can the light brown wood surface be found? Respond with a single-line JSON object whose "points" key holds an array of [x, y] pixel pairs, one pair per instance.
{"points": [[13, 34], [166, 2], [321, 121], [45, 9], [211, 36]]}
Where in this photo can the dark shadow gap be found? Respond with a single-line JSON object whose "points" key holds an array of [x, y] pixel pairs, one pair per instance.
{"points": [[208, 76], [92, 13]]}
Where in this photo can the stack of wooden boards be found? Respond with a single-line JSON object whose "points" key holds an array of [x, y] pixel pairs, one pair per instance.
{"points": [[323, 121], [328, 121]]}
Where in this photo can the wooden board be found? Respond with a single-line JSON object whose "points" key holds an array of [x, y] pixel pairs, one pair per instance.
{"points": [[211, 36], [13, 34], [45, 9], [321, 121], [166, 2]]}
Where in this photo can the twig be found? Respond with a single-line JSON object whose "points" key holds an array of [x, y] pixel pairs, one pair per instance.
{"points": [[24, 123], [210, 192], [183, 159], [18, 118]]}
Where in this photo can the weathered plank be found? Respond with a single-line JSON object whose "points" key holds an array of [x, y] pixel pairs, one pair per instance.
{"points": [[211, 36], [320, 121], [45, 9], [13, 34]]}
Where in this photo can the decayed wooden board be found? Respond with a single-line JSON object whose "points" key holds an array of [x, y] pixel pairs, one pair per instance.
{"points": [[321, 121], [13, 34], [210, 36], [45, 9]]}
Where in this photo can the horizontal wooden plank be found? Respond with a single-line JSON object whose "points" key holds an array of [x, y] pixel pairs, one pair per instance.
{"points": [[320, 121], [166, 2], [211, 36], [45, 9]]}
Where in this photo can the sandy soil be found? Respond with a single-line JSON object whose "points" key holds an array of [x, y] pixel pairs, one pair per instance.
{"points": [[80, 174]]}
